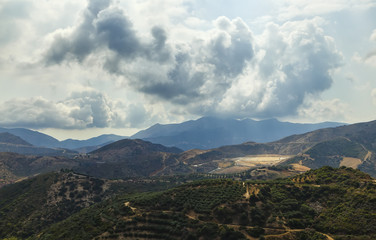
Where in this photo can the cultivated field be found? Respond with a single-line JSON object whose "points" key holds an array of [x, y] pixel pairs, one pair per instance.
{"points": [[241, 164], [350, 162]]}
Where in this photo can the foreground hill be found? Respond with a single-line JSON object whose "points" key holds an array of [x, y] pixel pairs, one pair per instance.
{"points": [[322, 204], [211, 132], [32, 205]]}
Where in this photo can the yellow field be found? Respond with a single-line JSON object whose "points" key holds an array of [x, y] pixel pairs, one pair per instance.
{"points": [[350, 162], [241, 164], [299, 167], [256, 160]]}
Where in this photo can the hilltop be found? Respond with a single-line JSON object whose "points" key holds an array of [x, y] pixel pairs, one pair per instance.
{"points": [[130, 158]]}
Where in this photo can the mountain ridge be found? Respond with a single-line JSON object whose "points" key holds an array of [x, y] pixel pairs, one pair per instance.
{"points": [[203, 133], [210, 132], [39, 139], [9, 138], [359, 137]]}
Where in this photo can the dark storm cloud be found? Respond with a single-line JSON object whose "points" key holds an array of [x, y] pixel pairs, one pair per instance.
{"points": [[225, 71], [197, 71], [185, 69], [231, 48], [81, 41], [116, 32]]}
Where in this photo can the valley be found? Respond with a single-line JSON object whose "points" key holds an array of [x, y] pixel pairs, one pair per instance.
{"points": [[241, 164], [307, 186]]}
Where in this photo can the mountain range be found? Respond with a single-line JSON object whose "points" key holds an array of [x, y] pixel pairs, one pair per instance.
{"points": [[350, 145], [203, 133], [136, 189], [39, 139], [12, 143], [212, 132]]}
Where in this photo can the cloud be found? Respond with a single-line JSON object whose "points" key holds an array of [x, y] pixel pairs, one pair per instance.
{"points": [[172, 71], [11, 15], [81, 110], [306, 8], [292, 61], [373, 95], [373, 36], [323, 110], [370, 57], [226, 70]]}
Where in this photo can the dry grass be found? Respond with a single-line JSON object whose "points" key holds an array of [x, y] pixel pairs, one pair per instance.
{"points": [[350, 162], [232, 170], [259, 160], [241, 164], [299, 167], [225, 164]]}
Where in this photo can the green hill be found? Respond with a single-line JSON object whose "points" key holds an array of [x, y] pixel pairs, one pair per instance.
{"points": [[131, 158], [15, 166], [321, 204], [31, 205]]}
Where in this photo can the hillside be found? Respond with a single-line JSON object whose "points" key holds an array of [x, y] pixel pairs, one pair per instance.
{"points": [[34, 204], [130, 158], [15, 144], [33, 137], [211, 132], [120, 160], [8, 138], [130, 147], [351, 145], [322, 204], [15, 166]]}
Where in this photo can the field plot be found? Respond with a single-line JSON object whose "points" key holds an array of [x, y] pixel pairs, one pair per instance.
{"points": [[257, 160], [350, 162], [240, 164]]}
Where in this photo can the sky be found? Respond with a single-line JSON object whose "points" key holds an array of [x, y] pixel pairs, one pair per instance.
{"points": [[81, 68]]}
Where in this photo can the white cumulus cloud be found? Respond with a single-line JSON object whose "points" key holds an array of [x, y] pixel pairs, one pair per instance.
{"points": [[80, 110]]}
